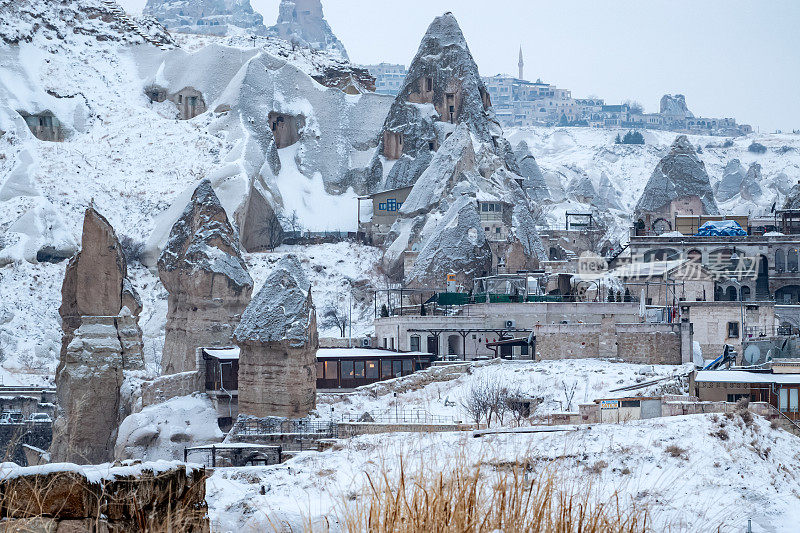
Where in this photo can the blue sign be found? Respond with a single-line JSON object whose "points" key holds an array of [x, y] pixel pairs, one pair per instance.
{"points": [[391, 205]]}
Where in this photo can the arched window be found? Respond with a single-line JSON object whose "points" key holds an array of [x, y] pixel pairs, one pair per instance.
{"points": [[695, 256], [791, 260], [780, 261], [745, 294], [731, 294]]}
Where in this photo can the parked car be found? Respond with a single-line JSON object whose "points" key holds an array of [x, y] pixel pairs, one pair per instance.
{"points": [[11, 418], [40, 417]]}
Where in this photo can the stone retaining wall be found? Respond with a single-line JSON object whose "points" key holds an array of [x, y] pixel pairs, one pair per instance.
{"points": [[63, 497], [164, 388], [353, 429]]}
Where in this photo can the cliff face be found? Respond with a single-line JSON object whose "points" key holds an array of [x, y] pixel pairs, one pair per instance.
{"points": [[206, 16], [302, 22]]}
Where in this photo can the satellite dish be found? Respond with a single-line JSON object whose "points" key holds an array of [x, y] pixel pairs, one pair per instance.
{"points": [[752, 355]]}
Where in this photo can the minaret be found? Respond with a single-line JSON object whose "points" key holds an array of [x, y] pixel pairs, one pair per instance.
{"points": [[521, 64]]}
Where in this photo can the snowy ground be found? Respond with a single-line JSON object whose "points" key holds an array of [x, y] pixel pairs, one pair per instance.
{"points": [[560, 385], [692, 479]]}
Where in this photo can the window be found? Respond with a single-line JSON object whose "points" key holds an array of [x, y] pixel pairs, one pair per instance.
{"points": [[629, 403], [372, 369], [320, 370], [392, 343], [428, 84], [414, 344], [783, 400], [331, 369], [359, 369], [386, 369], [397, 368], [733, 330], [348, 369], [497, 230], [523, 350], [407, 370], [384, 342]]}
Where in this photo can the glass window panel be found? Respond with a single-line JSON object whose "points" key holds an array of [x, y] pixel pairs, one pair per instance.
{"points": [[331, 370], [783, 403], [359, 369], [415, 343], [407, 366], [320, 370], [397, 368], [793, 400], [386, 369], [372, 369], [347, 370]]}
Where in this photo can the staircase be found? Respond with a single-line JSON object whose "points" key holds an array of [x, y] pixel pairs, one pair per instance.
{"points": [[129, 24], [786, 423]]}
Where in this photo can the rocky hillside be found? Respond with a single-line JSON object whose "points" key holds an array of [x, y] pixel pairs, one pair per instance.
{"points": [[214, 17]]}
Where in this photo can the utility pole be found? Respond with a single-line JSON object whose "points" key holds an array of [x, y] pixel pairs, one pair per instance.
{"points": [[350, 322]]}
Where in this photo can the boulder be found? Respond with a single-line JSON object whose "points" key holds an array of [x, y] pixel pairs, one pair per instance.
{"points": [[278, 340], [751, 188], [209, 287], [582, 189]]}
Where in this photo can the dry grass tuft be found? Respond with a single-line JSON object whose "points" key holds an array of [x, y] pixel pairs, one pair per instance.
{"points": [[476, 499]]}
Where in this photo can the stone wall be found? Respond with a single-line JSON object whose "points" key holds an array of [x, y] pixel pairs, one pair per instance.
{"points": [[61, 497], [163, 388], [630, 343], [353, 429], [652, 344]]}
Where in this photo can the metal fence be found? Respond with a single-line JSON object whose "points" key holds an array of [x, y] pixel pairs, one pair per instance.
{"points": [[280, 426], [400, 416]]}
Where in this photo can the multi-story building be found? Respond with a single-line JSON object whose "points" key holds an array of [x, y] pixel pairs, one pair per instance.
{"points": [[388, 77]]}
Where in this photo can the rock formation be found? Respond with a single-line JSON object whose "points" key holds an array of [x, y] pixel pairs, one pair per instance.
{"points": [[205, 16], [88, 379], [534, 184], [736, 181], [582, 189], [442, 88], [608, 196], [302, 22], [278, 340], [679, 185], [675, 106], [209, 287], [101, 340], [793, 198], [467, 212], [96, 284]]}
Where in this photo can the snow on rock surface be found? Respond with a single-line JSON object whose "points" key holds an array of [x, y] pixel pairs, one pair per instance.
{"points": [[421, 112], [205, 16], [209, 286], [302, 22], [162, 431], [678, 175], [281, 310], [534, 184]]}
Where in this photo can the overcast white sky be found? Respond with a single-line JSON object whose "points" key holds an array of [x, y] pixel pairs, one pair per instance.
{"points": [[737, 58]]}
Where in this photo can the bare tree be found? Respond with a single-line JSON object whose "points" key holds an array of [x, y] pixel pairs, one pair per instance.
{"points": [[338, 316], [272, 231], [569, 392], [634, 106]]}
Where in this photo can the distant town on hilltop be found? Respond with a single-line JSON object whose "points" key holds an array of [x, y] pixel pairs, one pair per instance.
{"points": [[518, 102]]}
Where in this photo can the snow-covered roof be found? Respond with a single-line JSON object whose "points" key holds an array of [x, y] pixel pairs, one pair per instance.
{"points": [[740, 376], [223, 354], [650, 269]]}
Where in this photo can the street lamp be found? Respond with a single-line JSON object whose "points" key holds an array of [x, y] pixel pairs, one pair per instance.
{"points": [[741, 307]]}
